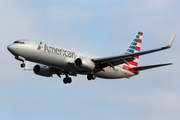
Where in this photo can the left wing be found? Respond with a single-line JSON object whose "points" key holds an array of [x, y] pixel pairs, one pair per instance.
{"points": [[116, 60]]}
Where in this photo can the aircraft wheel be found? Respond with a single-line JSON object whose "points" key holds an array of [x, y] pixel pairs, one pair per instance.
{"points": [[65, 80], [89, 77], [93, 77], [22, 65], [69, 80]]}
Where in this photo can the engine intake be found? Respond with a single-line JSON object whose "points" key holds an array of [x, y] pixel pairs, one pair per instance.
{"points": [[84, 64], [43, 71]]}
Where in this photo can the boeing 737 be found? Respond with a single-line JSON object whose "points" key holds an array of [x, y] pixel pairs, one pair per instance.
{"points": [[57, 60]]}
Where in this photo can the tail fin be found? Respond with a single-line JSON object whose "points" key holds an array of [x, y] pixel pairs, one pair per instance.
{"points": [[134, 47]]}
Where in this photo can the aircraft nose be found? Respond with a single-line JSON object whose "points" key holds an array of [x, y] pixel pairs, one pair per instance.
{"points": [[11, 48]]}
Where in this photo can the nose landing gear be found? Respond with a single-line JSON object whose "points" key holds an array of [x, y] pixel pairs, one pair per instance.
{"points": [[23, 65], [21, 59]]}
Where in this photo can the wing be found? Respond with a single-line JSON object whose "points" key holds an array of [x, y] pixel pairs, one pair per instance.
{"points": [[60, 72], [116, 60]]}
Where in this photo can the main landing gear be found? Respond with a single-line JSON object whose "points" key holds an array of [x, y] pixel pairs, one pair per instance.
{"points": [[91, 77], [67, 79]]}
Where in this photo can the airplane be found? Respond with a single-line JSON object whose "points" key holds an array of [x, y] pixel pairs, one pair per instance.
{"points": [[57, 60]]}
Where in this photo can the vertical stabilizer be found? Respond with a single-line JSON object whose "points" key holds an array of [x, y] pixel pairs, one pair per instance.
{"points": [[134, 47]]}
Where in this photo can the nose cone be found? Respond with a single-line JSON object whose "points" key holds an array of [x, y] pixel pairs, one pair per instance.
{"points": [[12, 48]]}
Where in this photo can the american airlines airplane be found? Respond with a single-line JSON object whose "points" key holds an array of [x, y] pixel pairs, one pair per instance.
{"points": [[61, 61]]}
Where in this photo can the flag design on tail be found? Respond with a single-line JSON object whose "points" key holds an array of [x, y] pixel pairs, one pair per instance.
{"points": [[134, 47]]}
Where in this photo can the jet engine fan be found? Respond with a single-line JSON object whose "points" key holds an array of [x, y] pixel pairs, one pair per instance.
{"points": [[43, 71], [84, 64]]}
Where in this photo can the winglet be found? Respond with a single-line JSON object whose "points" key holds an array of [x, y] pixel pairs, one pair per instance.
{"points": [[171, 42]]}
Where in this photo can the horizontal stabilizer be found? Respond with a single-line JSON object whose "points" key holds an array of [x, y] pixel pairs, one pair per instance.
{"points": [[149, 67]]}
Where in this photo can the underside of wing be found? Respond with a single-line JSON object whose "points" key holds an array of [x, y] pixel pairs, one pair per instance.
{"points": [[59, 72]]}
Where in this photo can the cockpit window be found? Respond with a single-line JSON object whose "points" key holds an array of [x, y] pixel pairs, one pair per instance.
{"points": [[19, 42], [16, 42]]}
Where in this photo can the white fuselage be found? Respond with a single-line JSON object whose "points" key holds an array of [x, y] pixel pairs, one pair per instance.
{"points": [[61, 58]]}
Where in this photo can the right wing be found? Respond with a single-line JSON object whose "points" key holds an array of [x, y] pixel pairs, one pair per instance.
{"points": [[116, 60]]}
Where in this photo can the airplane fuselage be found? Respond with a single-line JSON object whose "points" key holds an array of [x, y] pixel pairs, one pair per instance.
{"points": [[61, 58]]}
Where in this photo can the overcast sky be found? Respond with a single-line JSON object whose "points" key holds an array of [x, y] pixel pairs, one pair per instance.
{"points": [[103, 28]]}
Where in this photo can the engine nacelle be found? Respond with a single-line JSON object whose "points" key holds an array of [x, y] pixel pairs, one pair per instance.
{"points": [[84, 64], [43, 71]]}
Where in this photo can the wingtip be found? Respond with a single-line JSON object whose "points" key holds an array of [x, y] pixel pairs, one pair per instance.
{"points": [[171, 42]]}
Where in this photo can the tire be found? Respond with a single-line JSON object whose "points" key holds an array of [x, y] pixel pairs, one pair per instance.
{"points": [[93, 77], [69, 80], [22, 65], [65, 80], [89, 77]]}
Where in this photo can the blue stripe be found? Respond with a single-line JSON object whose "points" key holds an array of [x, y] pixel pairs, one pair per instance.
{"points": [[129, 50], [137, 36], [139, 33], [132, 47], [135, 40], [133, 43]]}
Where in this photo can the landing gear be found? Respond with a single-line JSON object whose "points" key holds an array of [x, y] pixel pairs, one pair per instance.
{"points": [[91, 77], [23, 65], [21, 59], [67, 80]]}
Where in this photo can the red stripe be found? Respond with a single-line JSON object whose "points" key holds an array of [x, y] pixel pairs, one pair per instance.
{"points": [[137, 57], [39, 47], [141, 34], [139, 40], [137, 48], [133, 63], [130, 69]]}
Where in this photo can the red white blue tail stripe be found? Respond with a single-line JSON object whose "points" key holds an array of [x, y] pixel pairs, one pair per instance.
{"points": [[134, 47]]}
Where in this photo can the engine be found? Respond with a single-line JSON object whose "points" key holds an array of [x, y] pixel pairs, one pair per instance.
{"points": [[43, 71], [84, 64]]}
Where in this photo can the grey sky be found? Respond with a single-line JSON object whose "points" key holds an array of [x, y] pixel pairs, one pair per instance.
{"points": [[102, 28]]}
